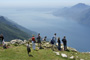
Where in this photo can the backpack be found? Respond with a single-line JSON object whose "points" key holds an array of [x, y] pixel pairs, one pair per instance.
{"points": [[52, 41], [38, 37]]}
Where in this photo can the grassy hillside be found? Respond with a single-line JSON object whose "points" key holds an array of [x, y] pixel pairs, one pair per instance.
{"points": [[20, 53], [11, 30]]}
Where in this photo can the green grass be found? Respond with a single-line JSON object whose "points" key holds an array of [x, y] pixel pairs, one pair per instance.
{"points": [[11, 32], [20, 53]]}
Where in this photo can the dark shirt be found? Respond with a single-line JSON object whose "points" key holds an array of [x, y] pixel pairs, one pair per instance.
{"points": [[59, 41], [1, 37], [38, 37], [64, 41]]}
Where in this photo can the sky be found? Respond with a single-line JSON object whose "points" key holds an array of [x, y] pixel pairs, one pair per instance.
{"points": [[40, 3]]}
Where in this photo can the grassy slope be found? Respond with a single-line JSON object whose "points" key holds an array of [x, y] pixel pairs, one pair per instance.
{"points": [[12, 32], [20, 53]]}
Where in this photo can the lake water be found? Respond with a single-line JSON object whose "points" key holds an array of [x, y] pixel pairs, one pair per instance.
{"points": [[43, 21]]}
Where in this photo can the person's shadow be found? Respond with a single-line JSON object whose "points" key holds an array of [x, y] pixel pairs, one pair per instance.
{"points": [[36, 50], [30, 55]]}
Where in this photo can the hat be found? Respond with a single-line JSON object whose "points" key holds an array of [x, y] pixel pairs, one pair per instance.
{"points": [[55, 34]]}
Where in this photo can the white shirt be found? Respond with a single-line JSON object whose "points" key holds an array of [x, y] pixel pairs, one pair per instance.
{"points": [[28, 45]]}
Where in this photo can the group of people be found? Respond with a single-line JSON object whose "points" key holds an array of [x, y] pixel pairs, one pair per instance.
{"points": [[57, 40], [33, 43], [53, 41]]}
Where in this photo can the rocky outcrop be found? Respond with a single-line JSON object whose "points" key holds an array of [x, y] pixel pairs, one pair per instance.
{"points": [[72, 49], [72, 57], [57, 53], [64, 55], [7, 43], [81, 59], [18, 41]]}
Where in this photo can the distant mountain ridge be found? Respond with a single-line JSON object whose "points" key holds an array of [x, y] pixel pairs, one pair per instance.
{"points": [[79, 12], [80, 5], [12, 30]]}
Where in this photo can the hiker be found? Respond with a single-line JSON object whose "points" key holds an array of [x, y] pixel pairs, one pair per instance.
{"points": [[44, 39], [33, 42], [39, 40], [52, 42], [59, 44], [2, 39], [64, 43], [55, 39], [28, 48], [4, 46]]}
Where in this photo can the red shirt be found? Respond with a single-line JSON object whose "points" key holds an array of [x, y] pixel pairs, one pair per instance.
{"points": [[33, 38]]}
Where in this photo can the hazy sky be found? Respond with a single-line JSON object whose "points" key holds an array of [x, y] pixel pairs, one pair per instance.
{"points": [[40, 3]]}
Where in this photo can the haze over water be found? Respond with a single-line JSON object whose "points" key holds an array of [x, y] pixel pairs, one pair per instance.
{"points": [[44, 22]]}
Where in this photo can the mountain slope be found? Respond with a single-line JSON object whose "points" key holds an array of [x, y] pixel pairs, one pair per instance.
{"points": [[10, 30], [85, 17]]}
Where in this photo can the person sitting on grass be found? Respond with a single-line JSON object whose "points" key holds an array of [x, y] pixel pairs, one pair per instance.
{"points": [[4, 46], [44, 39]]}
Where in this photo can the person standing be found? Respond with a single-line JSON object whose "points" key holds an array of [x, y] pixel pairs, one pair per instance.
{"points": [[33, 42], [59, 44], [39, 40], [55, 39], [52, 42], [28, 48], [64, 43], [2, 39]]}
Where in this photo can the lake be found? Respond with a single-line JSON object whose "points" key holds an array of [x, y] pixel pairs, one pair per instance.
{"points": [[44, 22]]}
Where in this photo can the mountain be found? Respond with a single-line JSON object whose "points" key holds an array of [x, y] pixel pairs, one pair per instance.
{"points": [[85, 17], [72, 11], [80, 6], [11, 30], [79, 12]]}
